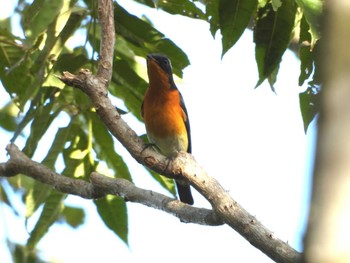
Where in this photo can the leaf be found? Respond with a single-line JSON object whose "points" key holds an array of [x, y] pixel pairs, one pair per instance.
{"points": [[177, 7], [8, 117], [129, 86], [113, 212], [76, 156], [305, 53], [72, 62], [309, 104], [51, 211], [143, 39], [74, 216], [272, 35], [37, 17], [10, 50], [15, 76], [212, 13], [312, 10], [42, 120], [234, 16], [39, 192], [167, 183], [104, 148]]}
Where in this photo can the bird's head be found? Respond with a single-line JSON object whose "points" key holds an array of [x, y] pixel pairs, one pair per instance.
{"points": [[160, 71]]}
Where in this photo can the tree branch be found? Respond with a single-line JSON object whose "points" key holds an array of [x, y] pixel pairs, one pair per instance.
{"points": [[101, 186], [106, 15]]}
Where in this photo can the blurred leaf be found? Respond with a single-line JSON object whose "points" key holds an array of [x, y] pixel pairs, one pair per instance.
{"points": [[309, 104], [272, 35], [20, 254], [38, 16], [167, 183], [10, 50], [35, 197], [51, 211], [8, 117], [39, 192], [42, 97], [42, 120], [16, 76], [234, 16], [71, 62], [76, 155], [104, 147], [305, 53], [113, 212], [4, 198], [312, 10], [129, 86], [74, 216], [143, 39]]}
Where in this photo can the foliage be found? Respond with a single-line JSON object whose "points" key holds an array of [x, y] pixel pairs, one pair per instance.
{"points": [[29, 66]]}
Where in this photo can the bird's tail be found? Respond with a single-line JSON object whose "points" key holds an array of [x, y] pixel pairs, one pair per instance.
{"points": [[184, 191]]}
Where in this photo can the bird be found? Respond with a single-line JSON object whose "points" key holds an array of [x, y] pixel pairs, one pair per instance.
{"points": [[165, 116]]}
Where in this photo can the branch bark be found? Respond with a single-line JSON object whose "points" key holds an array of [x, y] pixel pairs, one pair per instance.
{"points": [[225, 208], [101, 186]]}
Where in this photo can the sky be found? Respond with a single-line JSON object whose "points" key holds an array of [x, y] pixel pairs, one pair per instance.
{"points": [[251, 140]]}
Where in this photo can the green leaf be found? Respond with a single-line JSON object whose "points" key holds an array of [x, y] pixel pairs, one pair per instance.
{"points": [[38, 16], [104, 148], [51, 211], [77, 156], [113, 212], [42, 120], [16, 76], [8, 117], [272, 35], [36, 196], [20, 254], [177, 7], [167, 183], [312, 10], [72, 62], [39, 192], [129, 86], [212, 12], [11, 51], [143, 39], [181, 7], [309, 104], [73, 216], [234, 16]]}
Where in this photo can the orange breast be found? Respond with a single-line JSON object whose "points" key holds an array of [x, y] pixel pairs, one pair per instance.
{"points": [[164, 119]]}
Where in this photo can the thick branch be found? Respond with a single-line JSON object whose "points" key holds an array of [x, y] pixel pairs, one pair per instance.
{"points": [[101, 185]]}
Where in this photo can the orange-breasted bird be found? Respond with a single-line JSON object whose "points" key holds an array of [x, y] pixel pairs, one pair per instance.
{"points": [[165, 116]]}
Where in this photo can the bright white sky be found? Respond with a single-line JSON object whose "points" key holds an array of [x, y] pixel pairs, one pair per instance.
{"points": [[251, 140]]}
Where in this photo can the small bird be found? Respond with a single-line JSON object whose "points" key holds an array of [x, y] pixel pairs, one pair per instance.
{"points": [[165, 116]]}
